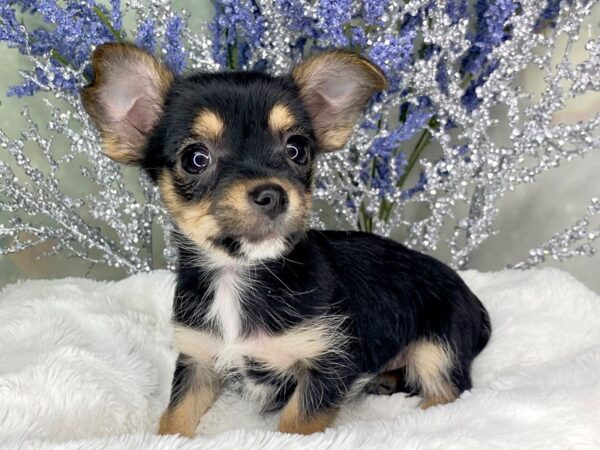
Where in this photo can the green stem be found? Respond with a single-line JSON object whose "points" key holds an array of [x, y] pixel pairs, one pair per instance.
{"points": [[361, 217], [106, 21], [388, 211], [423, 142], [232, 56], [382, 208], [386, 208], [414, 156], [60, 58], [54, 54], [367, 220]]}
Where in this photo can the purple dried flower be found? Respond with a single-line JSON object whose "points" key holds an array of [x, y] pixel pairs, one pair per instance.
{"points": [[10, 28], [27, 88], [550, 13], [456, 10], [385, 149], [351, 205], [400, 161], [358, 37], [384, 176], [298, 20], [469, 99], [75, 28], [418, 187], [175, 55], [491, 31], [115, 14], [373, 10], [333, 16], [441, 75], [416, 119], [219, 51], [394, 53], [146, 37], [41, 78], [491, 20], [61, 82], [237, 29]]}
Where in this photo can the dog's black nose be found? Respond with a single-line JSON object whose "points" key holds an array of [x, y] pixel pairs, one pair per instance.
{"points": [[270, 199]]}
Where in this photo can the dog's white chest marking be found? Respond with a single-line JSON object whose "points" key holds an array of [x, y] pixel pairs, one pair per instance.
{"points": [[278, 353], [230, 349], [225, 310]]}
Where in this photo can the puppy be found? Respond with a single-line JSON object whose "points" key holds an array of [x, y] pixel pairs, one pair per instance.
{"points": [[304, 318]]}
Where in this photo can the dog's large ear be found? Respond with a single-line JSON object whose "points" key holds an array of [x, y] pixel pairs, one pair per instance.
{"points": [[126, 98], [335, 87]]}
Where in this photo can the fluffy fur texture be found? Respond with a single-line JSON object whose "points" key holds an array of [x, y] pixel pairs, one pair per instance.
{"points": [[233, 155], [88, 365]]}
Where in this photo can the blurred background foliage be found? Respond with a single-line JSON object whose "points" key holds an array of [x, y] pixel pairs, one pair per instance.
{"points": [[531, 214]]}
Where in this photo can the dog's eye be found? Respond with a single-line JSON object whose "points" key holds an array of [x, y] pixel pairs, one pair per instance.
{"points": [[195, 158], [297, 150]]}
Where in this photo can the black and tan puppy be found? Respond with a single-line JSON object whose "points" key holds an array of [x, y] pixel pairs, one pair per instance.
{"points": [[304, 318]]}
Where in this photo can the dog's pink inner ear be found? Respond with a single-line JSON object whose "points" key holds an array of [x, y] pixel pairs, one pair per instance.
{"points": [[335, 87], [132, 110], [126, 99]]}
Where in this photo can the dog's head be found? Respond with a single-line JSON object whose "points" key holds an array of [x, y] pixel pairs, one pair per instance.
{"points": [[232, 153]]}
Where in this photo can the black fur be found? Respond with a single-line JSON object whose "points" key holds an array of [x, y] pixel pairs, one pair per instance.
{"points": [[248, 149], [383, 295], [391, 294]]}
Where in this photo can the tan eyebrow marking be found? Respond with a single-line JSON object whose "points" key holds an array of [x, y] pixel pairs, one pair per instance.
{"points": [[281, 118], [208, 124]]}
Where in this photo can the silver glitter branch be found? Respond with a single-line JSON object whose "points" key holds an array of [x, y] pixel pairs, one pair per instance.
{"points": [[574, 241], [113, 224], [75, 221], [464, 193], [470, 161]]}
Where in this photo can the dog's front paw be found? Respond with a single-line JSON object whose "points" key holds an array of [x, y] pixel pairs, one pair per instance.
{"points": [[306, 425], [171, 423], [295, 421]]}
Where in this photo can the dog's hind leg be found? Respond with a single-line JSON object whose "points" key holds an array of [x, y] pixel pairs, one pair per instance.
{"points": [[430, 369]]}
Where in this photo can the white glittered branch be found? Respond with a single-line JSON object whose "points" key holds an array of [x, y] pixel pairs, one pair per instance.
{"points": [[577, 240]]}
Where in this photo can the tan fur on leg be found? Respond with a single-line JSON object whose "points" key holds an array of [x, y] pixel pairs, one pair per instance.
{"points": [[428, 367], [293, 419], [183, 417], [428, 402]]}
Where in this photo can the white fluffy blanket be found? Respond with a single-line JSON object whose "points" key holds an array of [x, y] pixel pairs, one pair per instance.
{"points": [[86, 364]]}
